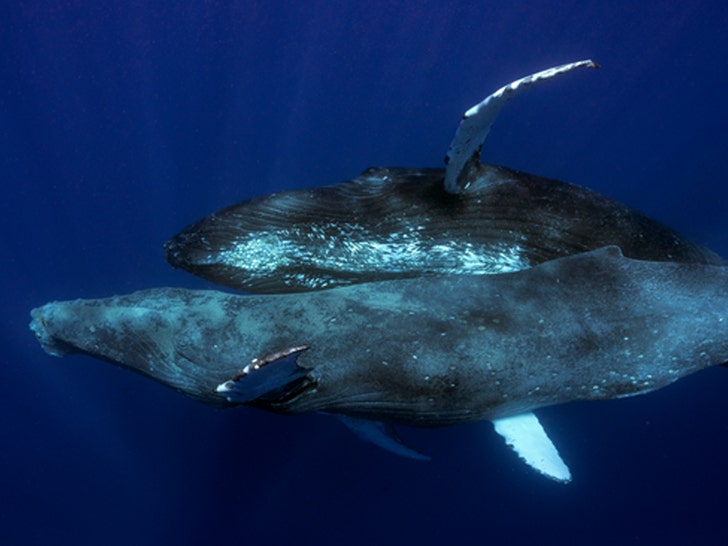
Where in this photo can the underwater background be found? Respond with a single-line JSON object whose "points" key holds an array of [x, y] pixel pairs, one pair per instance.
{"points": [[122, 122]]}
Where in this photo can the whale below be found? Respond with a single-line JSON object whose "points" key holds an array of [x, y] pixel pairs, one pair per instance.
{"points": [[389, 223], [425, 352]]}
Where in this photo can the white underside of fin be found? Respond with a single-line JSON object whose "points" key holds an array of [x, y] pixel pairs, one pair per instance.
{"points": [[477, 121], [527, 437]]}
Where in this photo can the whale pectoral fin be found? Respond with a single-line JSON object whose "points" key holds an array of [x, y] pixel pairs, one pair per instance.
{"points": [[268, 377], [527, 437], [381, 434], [464, 150]]}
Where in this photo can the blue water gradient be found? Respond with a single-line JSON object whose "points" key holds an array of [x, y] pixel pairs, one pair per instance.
{"points": [[122, 122]]}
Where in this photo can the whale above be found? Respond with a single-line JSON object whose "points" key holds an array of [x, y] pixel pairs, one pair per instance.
{"points": [[425, 352], [390, 223]]}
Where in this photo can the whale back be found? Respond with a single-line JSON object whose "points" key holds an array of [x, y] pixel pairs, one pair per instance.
{"points": [[395, 223]]}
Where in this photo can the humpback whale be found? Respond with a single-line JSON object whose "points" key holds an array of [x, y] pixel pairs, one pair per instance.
{"points": [[426, 352], [389, 223], [473, 293]]}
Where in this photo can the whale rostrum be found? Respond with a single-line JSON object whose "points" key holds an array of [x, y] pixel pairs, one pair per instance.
{"points": [[389, 223], [426, 352]]}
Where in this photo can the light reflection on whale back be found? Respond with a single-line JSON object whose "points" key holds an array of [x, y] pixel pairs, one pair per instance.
{"points": [[392, 223]]}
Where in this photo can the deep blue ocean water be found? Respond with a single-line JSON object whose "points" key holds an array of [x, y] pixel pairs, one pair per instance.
{"points": [[122, 122]]}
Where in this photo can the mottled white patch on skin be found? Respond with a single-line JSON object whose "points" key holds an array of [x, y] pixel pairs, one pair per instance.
{"points": [[355, 249]]}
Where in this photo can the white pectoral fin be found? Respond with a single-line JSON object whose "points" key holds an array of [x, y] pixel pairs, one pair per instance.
{"points": [[477, 122], [527, 437]]}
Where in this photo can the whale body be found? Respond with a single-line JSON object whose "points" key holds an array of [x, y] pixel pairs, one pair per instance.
{"points": [[392, 223], [425, 352], [462, 294]]}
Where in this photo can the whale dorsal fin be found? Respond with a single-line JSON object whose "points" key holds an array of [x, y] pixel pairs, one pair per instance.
{"points": [[464, 150], [527, 437]]}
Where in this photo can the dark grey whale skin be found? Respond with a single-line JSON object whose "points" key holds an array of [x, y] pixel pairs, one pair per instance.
{"points": [[401, 223], [428, 352]]}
